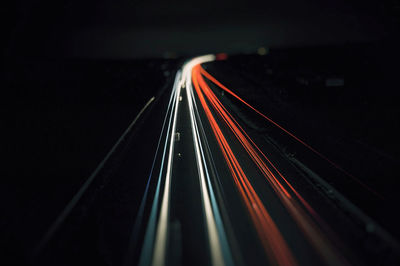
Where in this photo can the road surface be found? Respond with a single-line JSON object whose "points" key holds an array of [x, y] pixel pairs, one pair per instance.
{"points": [[195, 185]]}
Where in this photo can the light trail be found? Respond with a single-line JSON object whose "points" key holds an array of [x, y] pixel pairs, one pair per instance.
{"points": [[191, 83], [219, 84], [162, 228], [147, 249], [156, 237], [309, 228], [273, 242], [139, 217], [220, 252]]}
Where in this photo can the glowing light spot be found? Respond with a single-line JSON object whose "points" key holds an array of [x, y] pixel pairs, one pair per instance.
{"points": [[262, 51]]}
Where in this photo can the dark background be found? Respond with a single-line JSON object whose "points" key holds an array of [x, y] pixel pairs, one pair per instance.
{"points": [[76, 73], [131, 29]]}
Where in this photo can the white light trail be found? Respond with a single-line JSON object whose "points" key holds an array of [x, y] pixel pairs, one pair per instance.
{"points": [[146, 255], [219, 249], [162, 228], [158, 234], [223, 245], [215, 244]]}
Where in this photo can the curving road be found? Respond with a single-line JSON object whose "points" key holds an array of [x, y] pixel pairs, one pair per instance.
{"points": [[217, 193], [226, 196]]}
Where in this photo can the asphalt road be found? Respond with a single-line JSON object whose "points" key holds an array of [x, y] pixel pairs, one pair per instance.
{"points": [[193, 184]]}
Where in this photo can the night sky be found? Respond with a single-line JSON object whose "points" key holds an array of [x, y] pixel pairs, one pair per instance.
{"points": [[126, 29]]}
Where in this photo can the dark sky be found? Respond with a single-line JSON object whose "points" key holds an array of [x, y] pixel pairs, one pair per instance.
{"points": [[125, 29]]}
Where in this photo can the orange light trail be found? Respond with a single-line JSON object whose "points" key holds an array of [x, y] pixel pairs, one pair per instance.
{"points": [[219, 84], [271, 238], [309, 228]]}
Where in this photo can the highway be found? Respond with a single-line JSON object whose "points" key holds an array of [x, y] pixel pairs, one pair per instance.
{"points": [[213, 172], [212, 191]]}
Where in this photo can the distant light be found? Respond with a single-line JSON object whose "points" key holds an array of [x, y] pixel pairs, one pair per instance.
{"points": [[262, 51], [221, 56]]}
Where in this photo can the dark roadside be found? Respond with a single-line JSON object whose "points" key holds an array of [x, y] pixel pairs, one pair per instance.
{"points": [[64, 116], [342, 100]]}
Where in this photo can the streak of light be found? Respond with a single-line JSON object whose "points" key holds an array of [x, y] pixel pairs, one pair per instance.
{"points": [[272, 240], [163, 223], [147, 250], [309, 228], [219, 84], [220, 253], [156, 237], [139, 216]]}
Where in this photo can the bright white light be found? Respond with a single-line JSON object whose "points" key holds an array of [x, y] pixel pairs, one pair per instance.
{"points": [[215, 229]]}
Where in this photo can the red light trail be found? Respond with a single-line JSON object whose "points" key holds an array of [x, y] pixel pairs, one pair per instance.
{"points": [[219, 84], [244, 164], [311, 231], [273, 242]]}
